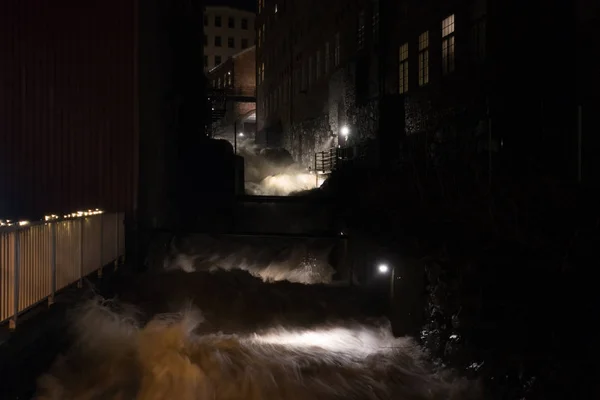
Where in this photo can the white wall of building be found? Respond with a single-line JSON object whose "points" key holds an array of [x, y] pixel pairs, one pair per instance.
{"points": [[241, 35]]}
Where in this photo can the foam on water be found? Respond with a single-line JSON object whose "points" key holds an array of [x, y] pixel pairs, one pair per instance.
{"points": [[294, 262], [116, 356]]}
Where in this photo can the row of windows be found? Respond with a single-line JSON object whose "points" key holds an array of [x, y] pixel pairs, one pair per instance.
{"points": [[231, 22], [448, 56], [310, 71], [222, 83], [218, 42], [313, 66]]}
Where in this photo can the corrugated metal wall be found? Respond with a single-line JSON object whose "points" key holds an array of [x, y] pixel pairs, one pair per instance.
{"points": [[68, 106]]}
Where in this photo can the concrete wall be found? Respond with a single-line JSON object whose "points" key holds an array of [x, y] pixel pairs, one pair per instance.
{"points": [[288, 215]]}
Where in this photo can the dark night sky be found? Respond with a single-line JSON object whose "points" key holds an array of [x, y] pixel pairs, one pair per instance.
{"points": [[244, 4]]}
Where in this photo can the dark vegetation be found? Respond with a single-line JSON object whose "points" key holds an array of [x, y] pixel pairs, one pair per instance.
{"points": [[508, 266]]}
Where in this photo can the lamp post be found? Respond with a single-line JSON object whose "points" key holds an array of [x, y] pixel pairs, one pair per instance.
{"points": [[235, 137], [385, 269]]}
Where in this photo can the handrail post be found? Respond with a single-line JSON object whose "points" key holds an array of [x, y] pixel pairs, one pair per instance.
{"points": [[52, 263], [101, 216], [80, 281], [316, 172], [17, 272], [117, 255]]}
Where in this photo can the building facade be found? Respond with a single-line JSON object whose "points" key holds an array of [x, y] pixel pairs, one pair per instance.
{"points": [[233, 84], [437, 79], [472, 91], [227, 31], [306, 89]]}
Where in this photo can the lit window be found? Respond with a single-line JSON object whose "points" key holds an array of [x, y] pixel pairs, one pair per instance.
{"points": [[275, 8], [318, 68], [403, 70], [327, 57], [448, 49], [360, 34], [423, 58], [336, 54]]}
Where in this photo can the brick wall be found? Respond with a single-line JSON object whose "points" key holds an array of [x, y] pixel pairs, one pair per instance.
{"points": [[244, 70]]}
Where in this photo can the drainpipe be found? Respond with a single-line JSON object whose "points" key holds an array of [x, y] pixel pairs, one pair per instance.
{"points": [[579, 142]]}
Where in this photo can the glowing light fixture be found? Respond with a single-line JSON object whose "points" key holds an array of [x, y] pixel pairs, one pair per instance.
{"points": [[383, 268], [241, 134], [345, 131]]}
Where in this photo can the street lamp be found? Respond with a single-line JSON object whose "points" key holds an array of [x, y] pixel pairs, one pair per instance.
{"points": [[345, 131], [383, 269], [241, 134]]}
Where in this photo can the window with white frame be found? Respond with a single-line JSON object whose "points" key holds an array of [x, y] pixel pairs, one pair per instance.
{"points": [[424, 58], [403, 69], [318, 66], [478, 41], [375, 21], [360, 34], [310, 70], [448, 46], [327, 57], [336, 52]]}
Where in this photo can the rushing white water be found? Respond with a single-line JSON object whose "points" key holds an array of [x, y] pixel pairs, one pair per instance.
{"points": [[226, 322], [116, 356], [300, 262], [272, 172], [284, 184]]}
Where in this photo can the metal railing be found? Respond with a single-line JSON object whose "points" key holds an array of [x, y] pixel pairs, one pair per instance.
{"points": [[334, 158], [38, 260], [325, 161]]}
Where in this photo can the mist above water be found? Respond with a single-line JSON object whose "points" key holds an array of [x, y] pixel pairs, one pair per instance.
{"points": [[273, 172]]}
